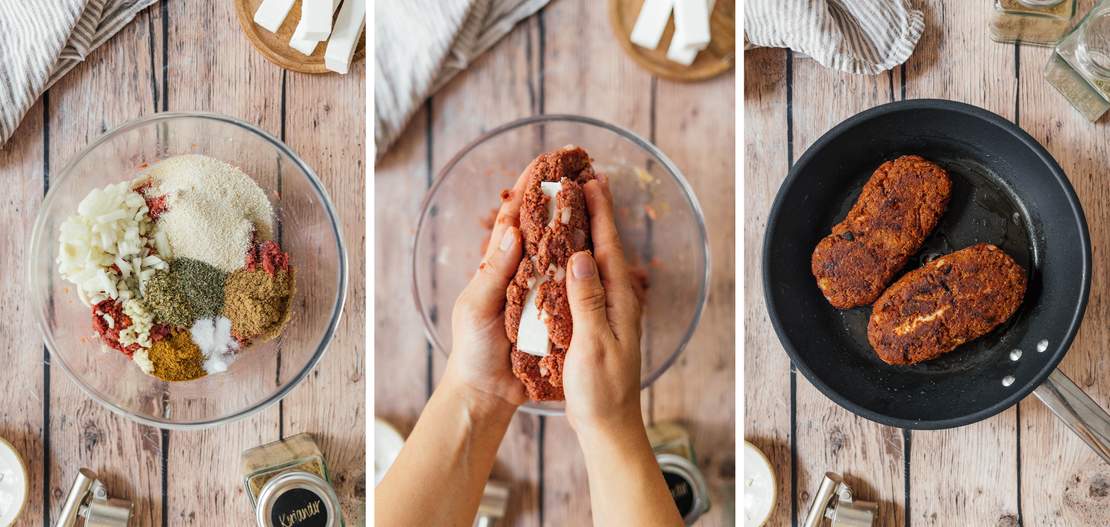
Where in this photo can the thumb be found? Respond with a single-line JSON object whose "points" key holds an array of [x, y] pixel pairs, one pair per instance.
{"points": [[487, 289], [586, 295]]}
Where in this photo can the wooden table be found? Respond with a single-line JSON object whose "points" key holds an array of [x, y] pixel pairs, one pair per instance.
{"points": [[179, 56], [1021, 467], [566, 60]]}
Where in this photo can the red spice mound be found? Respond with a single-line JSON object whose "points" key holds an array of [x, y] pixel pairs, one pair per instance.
{"points": [[110, 334], [269, 256], [160, 332], [156, 205]]}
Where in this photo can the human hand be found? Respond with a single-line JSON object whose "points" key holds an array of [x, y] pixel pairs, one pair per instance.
{"points": [[601, 376], [480, 350]]}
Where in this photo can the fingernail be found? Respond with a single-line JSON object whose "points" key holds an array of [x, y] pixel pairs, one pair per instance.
{"points": [[508, 239], [583, 266]]}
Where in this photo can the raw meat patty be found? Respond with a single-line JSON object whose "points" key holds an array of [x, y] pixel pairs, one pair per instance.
{"points": [[548, 244]]}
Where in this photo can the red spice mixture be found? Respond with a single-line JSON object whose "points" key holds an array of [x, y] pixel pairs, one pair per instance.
{"points": [[156, 205], [110, 334], [269, 256]]}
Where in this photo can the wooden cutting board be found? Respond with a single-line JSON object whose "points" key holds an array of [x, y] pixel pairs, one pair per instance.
{"points": [[718, 57], [275, 46]]}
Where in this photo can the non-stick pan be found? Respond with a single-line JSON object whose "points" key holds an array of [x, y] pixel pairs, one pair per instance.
{"points": [[1006, 190]]}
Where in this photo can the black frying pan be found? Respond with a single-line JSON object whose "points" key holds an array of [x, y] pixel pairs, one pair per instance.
{"points": [[1006, 190]]}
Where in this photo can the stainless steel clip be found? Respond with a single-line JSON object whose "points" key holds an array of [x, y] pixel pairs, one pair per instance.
{"points": [[835, 502], [88, 498]]}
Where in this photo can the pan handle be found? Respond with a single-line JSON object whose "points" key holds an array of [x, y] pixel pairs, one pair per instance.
{"points": [[1077, 410]]}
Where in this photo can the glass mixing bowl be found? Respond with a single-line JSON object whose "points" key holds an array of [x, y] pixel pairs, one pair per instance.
{"points": [[659, 220], [305, 226]]}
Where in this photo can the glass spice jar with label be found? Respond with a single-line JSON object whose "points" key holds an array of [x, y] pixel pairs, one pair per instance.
{"points": [[289, 485], [1080, 67], [1038, 22], [675, 454]]}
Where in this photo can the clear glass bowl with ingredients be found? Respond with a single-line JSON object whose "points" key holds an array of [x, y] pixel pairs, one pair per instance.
{"points": [[305, 226], [658, 216]]}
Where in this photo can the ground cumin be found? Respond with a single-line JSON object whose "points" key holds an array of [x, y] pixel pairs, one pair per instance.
{"points": [[258, 303], [177, 358]]}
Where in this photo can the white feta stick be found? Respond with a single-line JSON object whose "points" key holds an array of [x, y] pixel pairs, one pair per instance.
{"points": [[531, 335], [316, 18], [300, 42], [271, 13], [651, 22], [344, 38], [691, 23], [685, 55]]}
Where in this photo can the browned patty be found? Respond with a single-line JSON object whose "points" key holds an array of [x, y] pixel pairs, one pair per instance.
{"points": [[898, 207], [947, 302], [548, 244]]}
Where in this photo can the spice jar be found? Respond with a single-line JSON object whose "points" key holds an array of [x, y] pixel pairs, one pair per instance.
{"points": [[1080, 67], [675, 454], [1039, 22], [289, 486]]}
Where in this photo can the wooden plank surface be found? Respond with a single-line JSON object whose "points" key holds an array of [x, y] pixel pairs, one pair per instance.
{"points": [[540, 68], [164, 60], [83, 433], [1062, 481], [768, 376], [975, 475]]}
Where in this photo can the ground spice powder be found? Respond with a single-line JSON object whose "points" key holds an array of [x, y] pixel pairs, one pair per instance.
{"points": [[188, 291], [177, 358], [258, 303]]}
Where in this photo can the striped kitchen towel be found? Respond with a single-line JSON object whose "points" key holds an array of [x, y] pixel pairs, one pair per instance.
{"points": [[857, 36], [420, 45], [41, 40]]}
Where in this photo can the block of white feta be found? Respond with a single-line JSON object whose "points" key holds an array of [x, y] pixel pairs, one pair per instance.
{"points": [[531, 335], [651, 22], [271, 13], [316, 18], [345, 35], [691, 23], [302, 43], [685, 54]]}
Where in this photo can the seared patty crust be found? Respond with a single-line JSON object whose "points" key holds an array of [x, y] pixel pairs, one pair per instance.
{"points": [[897, 209], [548, 244], [954, 299]]}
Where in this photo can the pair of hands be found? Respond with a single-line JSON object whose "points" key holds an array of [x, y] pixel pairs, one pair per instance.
{"points": [[601, 376]]}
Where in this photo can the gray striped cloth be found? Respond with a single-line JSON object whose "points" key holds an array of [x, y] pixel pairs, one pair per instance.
{"points": [[41, 40], [864, 37], [420, 45]]}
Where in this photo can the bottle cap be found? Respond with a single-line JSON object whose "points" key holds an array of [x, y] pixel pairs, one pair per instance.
{"points": [[297, 499]]}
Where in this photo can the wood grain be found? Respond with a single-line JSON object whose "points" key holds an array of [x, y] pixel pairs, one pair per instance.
{"points": [[718, 57], [957, 60], [540, 68], [275, 46], [1063, 482], [612, 77], [144, 69], [321, 112], [829, 437], [402, 355], [202, 72], [127, 456], [974, 475], [767, 369], [699, 389], [22, 386], [497, 88]]}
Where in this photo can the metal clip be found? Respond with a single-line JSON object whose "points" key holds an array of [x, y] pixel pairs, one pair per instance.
{"points": [[88, 498], [834, 501], [495, 501]]}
